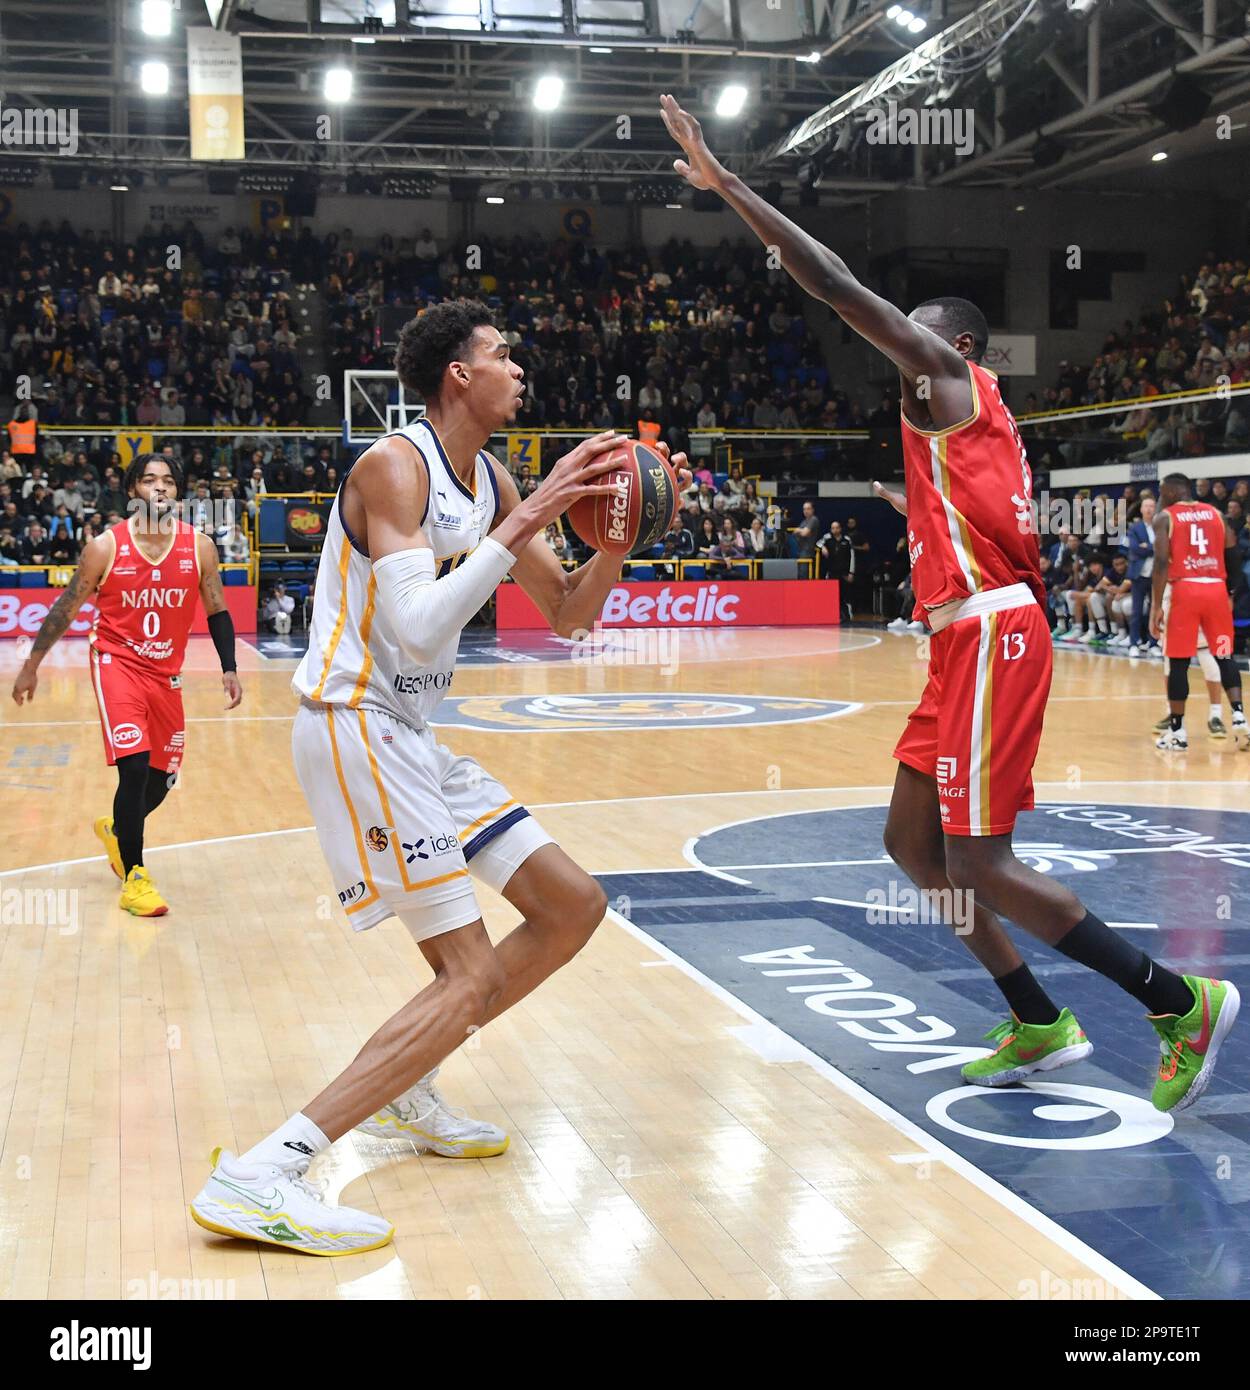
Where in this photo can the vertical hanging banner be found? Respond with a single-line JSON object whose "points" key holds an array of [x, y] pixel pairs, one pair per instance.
{"points": [[215, 88]]}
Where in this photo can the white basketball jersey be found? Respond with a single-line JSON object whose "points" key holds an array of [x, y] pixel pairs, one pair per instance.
{"points": [[353, 657]]}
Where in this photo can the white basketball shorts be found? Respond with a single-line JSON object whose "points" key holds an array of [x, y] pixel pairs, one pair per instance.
{"points": [[403, 822]]}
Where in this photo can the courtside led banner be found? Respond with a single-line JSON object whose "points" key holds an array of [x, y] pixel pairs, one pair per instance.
{"points": [[701, 603], [23, 610], [215, 93]]}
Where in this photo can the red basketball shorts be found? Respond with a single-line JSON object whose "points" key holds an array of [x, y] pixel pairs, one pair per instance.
{"points": [[140, 712], [1194, 604], [978, 725]]}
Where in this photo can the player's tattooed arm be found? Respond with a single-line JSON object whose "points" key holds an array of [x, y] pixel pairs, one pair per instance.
{"points": [[914, 350], [86, 579]]}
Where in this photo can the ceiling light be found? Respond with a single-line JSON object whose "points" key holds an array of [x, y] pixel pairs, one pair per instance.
{"points": [[548, 92], [893, 11], [812, 57], [674, 207], [917, 25], [904, 18], [337, 86], [594, 49], [494, 198], [119, 186], [361, 39], [156, 18], [1158, 157], [154, 79], [731, 100]]}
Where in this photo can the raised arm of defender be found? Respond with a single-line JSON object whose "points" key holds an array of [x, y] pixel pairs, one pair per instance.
{"points": [[392, 493], [914, 350]]}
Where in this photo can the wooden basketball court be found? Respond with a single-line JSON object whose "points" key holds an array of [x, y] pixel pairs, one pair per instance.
{"points": [[667, 1142]]}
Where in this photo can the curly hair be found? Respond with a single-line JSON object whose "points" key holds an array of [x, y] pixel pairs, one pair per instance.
{"points": [[429, 343], [134, 472]]}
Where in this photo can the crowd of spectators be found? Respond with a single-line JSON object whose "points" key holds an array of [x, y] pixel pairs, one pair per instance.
{"points": [[1198, 339], [684, 337], [110, 334]]}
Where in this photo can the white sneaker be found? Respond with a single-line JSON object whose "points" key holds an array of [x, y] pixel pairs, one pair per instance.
{"points": [[1088, 635], [422, 1117], [1134, 649], [1073, 634], [1120, 640], [898, 625], [1173, 741], [1241, 733], [916, 628], [281, 1206]]}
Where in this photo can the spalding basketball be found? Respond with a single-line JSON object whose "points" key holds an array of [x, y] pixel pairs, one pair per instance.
{"points": [[639, 509]]}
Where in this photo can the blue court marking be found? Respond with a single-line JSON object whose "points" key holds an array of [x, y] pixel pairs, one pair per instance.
{"points": [[803, 918]]}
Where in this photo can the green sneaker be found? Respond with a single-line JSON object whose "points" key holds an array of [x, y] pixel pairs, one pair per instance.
{"points": [[1190, 1041], [1028, 1047], [1162, 726]]}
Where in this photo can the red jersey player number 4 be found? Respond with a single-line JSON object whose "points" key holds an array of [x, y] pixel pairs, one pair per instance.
{"points": [[143, 575]]}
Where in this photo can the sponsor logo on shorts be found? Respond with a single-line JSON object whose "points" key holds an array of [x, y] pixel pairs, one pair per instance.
{"points": [[424, 680], [387, 736], [376, 838], [423, 848], [349, 895], [126, 735], [947, 768]]}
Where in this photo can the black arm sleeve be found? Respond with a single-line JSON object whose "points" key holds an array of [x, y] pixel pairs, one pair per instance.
{"points": [[221, 630]]}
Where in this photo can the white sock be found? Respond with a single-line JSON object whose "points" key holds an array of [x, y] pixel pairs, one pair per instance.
{"points": [[298, 1139], [1217, 712]]}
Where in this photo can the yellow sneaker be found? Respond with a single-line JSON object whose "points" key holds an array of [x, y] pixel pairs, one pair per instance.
{"points": [[104, 833], [139, 896]]}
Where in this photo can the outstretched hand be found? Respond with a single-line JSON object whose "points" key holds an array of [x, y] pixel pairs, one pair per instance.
{"points": [[897, 500], [700, 168]]}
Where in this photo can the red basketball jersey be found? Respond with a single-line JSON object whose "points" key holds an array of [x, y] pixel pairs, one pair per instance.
{"points": [[144, 608], [1197, 546], [969, 492]]}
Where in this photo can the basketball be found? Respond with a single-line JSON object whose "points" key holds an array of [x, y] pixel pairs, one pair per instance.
{"points": [[639, 509]]}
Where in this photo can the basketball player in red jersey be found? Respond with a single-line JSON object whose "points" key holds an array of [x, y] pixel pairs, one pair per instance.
{"points": [[966, 757], [143, 575], [1190, 540]]}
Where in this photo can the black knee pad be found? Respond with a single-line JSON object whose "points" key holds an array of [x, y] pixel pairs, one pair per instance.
{"points": [[1230, 676], [1178, 678]]}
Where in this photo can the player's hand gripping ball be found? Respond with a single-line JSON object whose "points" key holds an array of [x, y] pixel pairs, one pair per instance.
{"points": [[640, 508]]}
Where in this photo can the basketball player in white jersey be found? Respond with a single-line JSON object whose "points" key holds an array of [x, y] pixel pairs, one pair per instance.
{"points": [[424, 528]]}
